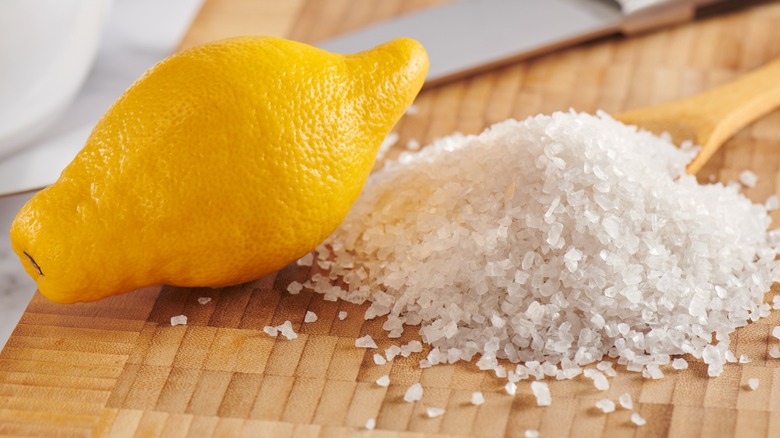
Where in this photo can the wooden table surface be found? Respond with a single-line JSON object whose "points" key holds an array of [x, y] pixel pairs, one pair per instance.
{"points": [[118, 368]]}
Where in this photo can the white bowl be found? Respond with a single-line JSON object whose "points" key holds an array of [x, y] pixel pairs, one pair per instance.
{"points": [[46, 50]]}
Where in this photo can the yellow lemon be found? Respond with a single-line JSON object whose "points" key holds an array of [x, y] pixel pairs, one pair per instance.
{"points": [[221, 164]]}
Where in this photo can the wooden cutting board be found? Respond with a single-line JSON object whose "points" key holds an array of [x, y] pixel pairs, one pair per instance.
{"points": [[118, 368]]}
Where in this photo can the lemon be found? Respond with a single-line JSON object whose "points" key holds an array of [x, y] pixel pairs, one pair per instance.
{"points": [[221, 164]]}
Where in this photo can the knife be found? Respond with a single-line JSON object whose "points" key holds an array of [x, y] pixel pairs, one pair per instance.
{"points": [[469, 36]]}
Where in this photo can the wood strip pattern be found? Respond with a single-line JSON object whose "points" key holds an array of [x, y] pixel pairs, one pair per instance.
{"points": [[117, 367]]}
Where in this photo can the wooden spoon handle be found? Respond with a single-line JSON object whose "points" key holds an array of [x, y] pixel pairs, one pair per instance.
{"points": [[712, 117]]}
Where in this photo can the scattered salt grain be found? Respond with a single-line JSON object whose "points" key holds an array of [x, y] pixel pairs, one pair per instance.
{"points": [[286, 330], [414, 393], [542, 393], [744, 358], [652, 372], [204, 300], [370, 424], [342, 315], [412, 110], [379, 359], [294, 288], [588, 239], [599, 380], [179, 320], [772, 203], [625, 401], [680, 364], [776, 302], [411, 347], [606, 405], [413, 145], [392, 351], [310, 316], [271, 330], [306, 260], [531, 433], [383, 381], [752, 383], [748, 178], [637, 419], [511, 388], [776, 332], [434, 412], [477, 398], [774, 352], [365, 342]]}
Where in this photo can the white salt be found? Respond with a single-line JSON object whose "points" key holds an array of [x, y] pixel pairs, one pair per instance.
{"points": [[342, 315], [542, 393], [748, 178], [310, 316], [365, 342], [625, 401], [776, 332], [370, 424], [531, 433], [772, 203], [294, 288], [599, 380], [567, 237], [271, 331], [286, 330], [392, 351], [412, 110], [752, 383], [510, 388], [680, 364], [744, 358], [434, 412], [204, 300], [414, 393], [606, 405], [774, 352], [413, 145], [179, 320], [379, 359], [383, 381], [477, 398], [637, 419], [411, 347], [306, 260]]}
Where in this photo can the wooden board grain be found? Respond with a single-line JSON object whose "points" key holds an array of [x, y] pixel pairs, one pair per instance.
{"points": [[118, 368]]}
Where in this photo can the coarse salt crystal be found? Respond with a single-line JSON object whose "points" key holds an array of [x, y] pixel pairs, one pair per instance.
{"points": [[392, 351], [434, 412], [599, 380], [679, 364], [310, 316], [752, 383], [772, 203], [286, 330], [774, 352], [637, 419], [542, 393], [370, 424], [625, 401], [306, 260], [606, 405], [342, 315], [413, 145], [413, 393], [776, 332], [365, 342], [379, 359], [383, 381], [531, 433], [748, 178], [179, 320], [294, 288], [477, 398], [744, 358], [510, 388], [271, 331], [204, 300]]}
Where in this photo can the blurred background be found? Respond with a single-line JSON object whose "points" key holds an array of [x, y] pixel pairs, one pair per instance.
{"points": [[64, 63]]}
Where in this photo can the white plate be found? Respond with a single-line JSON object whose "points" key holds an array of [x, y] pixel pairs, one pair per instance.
{"points": [[46, 50]]}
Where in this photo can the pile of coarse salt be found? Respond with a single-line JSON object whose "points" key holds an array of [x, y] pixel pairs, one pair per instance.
{"points": [[554, 241]]}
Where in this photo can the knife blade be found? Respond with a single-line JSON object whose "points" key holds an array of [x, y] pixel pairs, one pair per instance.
{"points": [[469, 36]]}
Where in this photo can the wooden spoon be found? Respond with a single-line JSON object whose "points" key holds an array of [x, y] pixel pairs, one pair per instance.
{"points": [[710, 118]]}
